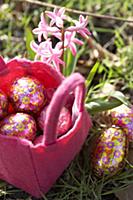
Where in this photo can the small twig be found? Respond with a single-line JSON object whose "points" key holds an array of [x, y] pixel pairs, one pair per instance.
{"points": [[78, 11]]}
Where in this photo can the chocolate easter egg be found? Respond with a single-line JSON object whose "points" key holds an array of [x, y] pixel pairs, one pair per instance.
{"points": [[110, 151], [21, 125], [3, 104], [122, 116], [64, 121], [27, 95]]}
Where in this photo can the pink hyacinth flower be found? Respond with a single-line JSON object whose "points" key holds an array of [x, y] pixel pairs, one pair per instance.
{"points": [[37, 49], [53, 55], [80, 27], [44, 29], [70, 41], [46, 53], [57, 17]]}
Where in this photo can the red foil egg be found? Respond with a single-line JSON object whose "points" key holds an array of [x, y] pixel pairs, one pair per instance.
{"points": [[3, 104], [110, 152], [27, 95], [21, 125], [64, 121], [122, 116]]}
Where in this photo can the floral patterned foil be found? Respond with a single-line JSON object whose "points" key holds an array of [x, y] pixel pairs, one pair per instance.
{"points": [[122, 116], [3, 104], [27, 95], [111, 149], [20, 125]]}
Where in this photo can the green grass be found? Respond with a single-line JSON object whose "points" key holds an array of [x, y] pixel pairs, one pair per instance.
{"points": [[16, 20]]}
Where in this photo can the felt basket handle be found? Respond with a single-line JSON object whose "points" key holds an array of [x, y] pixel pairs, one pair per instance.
{"points": [[73, 83]]}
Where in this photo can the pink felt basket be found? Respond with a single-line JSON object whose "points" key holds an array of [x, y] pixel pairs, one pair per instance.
{"points": [[35, 168]]}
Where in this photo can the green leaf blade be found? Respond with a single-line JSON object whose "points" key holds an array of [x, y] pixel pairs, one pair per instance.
{"points": [[29, 37]]}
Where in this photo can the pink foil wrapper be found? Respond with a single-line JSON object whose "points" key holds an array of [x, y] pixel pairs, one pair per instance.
{"points": [[64, 121]]}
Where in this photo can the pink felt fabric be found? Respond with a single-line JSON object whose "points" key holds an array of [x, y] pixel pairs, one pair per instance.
{"points": [[35, 168]]}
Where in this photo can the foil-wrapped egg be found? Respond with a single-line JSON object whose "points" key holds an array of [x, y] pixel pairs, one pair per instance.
{"points": [[21, 125], [3, 104], [110, 151], [27, 95], [122, 116], [64, 121]]}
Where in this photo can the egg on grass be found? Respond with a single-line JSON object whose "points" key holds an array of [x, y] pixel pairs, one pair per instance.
{"points": [[111, 148]]}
